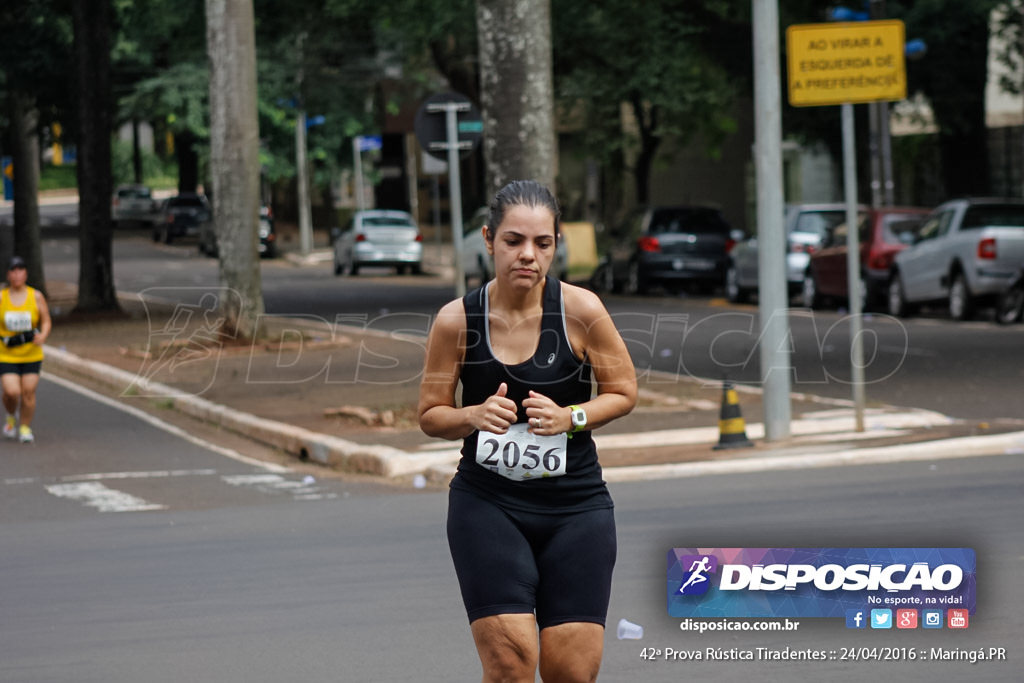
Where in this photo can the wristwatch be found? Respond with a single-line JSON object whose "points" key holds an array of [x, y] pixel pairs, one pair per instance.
{"points": [[579, 419]]}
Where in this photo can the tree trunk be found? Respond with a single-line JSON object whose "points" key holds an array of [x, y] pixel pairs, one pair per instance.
{"points": [[517, 91], [25, 137], [188, 161], [136, 153], [234, 161], [647, 123], [92, 48]]}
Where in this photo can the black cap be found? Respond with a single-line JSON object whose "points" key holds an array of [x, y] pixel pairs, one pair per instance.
{"points": [[16, 262]]}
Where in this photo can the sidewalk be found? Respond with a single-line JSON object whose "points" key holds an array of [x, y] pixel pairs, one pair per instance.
{"points": [[345, 398]]}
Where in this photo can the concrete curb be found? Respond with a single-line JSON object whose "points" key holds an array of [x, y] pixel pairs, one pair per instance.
{"points": [[391, 462], [1011, 443], [301, 443]]}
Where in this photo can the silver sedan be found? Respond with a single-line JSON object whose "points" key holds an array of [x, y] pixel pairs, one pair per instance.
{"points": [[379, 237]]}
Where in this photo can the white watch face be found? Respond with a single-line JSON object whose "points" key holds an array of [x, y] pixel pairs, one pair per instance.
{"points": [[579, 417]]}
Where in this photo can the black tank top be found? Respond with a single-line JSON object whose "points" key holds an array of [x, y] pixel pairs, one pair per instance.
{"points": [[554, 371]]}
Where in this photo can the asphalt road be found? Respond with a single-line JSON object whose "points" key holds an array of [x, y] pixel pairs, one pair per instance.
{"points": [[236, 573], [966, 370]]}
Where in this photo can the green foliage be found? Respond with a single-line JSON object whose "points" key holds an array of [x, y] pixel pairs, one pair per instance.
{"points": [[178, 96], [57, 177], [653, 56], [156, 173], [1012, 56], [35, 50]]}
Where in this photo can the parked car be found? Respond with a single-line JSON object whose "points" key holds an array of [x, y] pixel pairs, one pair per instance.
{"points": [[181, 216], [379, 237], [268, 235], [966, 254], [805, 225], [478, 265], [882, 233], [668, 245], [133, 204]]}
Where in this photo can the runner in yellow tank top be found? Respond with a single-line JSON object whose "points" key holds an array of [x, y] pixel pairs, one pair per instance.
{"points": [[24, 326]]}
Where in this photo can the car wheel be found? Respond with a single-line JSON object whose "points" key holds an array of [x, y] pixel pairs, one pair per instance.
{"points": [[809, 296], [167, 236], [156, 234], [733, 291], [417, 269], [635, 281], [1010, 306], [960, 304], [601, 280], [338, 268], [353, 268], [897, 301]]}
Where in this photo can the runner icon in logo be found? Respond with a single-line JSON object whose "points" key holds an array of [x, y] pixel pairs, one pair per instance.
{"points": [[698, 569]]}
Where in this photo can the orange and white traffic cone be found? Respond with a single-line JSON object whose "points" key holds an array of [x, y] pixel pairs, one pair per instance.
{"points": [[732, 431]]}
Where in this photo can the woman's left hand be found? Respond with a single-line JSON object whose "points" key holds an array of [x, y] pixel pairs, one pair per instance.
{"points": [[545, 416]]}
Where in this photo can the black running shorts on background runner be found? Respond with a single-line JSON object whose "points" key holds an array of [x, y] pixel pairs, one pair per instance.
{"points": [[515, 562]]}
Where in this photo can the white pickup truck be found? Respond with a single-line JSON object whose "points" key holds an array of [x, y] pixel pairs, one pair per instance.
{"points": [[966, 253]]}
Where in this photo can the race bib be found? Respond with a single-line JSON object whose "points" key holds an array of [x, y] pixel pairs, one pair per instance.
{"points": [[18, 321], [519, 455]]}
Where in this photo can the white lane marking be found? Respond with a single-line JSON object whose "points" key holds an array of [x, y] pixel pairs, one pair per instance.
{"points": [[275, 484], [102, 498], [158, 474], [99, 476], [160, 424]]}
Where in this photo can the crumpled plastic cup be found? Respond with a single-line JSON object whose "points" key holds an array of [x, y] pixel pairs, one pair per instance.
{"points": [[629, 631]]}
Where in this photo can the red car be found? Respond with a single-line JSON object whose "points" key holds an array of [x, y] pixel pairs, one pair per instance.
{"points": [[884, 232]]}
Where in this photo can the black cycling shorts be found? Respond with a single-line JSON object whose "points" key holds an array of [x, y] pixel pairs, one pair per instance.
{"points": [[32, 368], [513, 562]]}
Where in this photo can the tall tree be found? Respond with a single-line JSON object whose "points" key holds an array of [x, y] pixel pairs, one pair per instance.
{"points": [[639, 76], [25, 136], [34, 53], [953, 76], [517, 91], [234, 160], [92, 19]]}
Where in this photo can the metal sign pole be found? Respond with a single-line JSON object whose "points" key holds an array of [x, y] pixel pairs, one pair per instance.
{"points": [[302, 177], [853, 283], [357, 167], [772, 286], [458, 137], [455, 194]]}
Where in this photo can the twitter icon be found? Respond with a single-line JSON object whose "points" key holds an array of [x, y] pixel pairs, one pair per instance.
{"points": [[881, 618]]}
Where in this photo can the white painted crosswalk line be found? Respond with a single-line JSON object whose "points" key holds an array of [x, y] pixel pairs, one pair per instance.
{"points": [[274, 483], [102, 498]]}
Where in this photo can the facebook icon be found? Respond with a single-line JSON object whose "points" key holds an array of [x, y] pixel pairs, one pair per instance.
{"points": [[855, 618]]}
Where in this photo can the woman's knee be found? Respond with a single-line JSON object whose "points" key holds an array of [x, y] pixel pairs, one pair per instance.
{"points": [[507, 646]]}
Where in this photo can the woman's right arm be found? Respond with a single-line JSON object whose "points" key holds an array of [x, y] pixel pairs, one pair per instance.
{"points": [[446, 349]]}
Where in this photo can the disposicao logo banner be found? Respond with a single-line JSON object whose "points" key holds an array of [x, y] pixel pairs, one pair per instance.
{"points": [[816, 582]]}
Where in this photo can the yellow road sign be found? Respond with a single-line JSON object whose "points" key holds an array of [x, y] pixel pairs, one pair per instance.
{"points": [[859, 61]]}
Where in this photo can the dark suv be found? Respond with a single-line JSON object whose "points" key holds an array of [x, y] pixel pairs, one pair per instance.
{"points": [[181, 216], [668, 245]]}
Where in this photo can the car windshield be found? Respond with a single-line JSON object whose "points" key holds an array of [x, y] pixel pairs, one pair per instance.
{"points": [[134, 193], [1007, 215], [387, 221], [818, 222], [687, 220]]}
